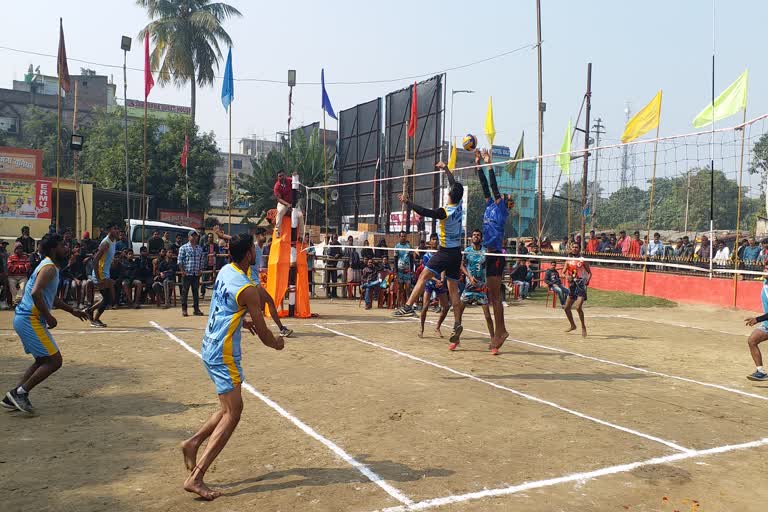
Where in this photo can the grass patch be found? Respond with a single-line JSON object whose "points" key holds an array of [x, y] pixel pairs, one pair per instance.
{"points": [[610, 299]]}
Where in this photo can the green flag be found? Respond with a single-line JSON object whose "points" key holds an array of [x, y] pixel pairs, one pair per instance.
{"points": [[519, 155], [564, 158], [730, 101]]}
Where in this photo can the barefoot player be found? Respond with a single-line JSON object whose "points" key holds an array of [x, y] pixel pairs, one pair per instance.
{"points": [[578, 273], [448, 256], [760, 334], [234, 294], [497, 209], [475, 290], [437, 286], [33, 318]]}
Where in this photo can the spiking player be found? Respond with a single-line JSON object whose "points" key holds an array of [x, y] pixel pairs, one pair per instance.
{"points": [[578, 274]]}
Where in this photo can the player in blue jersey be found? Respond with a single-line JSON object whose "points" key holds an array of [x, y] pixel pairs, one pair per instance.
{"points": [[448, 256], [234, 295], [102, 262], [435, 285], [33, 319], [760, 334], [497, 208], [476, 291]]}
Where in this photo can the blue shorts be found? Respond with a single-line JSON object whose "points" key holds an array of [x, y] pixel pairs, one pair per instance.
{"points": [[34, 336], [577, 289], [762, 326], [475, 294], [403, 277], [430, 288], [225, 376]]}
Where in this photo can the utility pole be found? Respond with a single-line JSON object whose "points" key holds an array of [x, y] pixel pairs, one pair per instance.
{"points": [[599, 129], [625, 152], [542, 109], [585, 174]]}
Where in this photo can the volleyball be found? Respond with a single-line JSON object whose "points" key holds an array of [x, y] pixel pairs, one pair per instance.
{"points": [[470, 142]]}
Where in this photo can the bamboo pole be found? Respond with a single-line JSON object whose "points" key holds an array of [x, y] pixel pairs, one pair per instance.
{"points": [[650, 200], [144, 180], [403, 210], [738, 212], [58, 151], [75, 156]]}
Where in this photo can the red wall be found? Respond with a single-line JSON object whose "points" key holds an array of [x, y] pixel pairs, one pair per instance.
{"points": [[687, 289]]}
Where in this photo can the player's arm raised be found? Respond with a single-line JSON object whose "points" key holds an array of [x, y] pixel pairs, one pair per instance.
{"points": [[250, 299]]}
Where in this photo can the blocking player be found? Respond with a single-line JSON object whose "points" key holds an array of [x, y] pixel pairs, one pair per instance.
{"points": [[578, 273], [448, 256], [33, 319], [475, 291], [102, 262], [233, 295]]}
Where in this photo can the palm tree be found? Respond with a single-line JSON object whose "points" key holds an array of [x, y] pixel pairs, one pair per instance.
{"points": [[187, 34]]}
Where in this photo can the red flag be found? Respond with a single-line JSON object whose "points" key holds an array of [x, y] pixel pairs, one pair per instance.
{"points": [[414, 114], [185, 151], [62, 68], [149, 82]]}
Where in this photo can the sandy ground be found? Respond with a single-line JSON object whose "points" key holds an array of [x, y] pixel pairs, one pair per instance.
{"points": [[429, 422]]}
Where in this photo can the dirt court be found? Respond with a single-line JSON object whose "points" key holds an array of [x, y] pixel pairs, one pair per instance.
{"points": [[651, 412]]}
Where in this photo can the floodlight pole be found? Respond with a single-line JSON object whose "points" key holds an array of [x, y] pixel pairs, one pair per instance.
{"points": [[125, 44]]}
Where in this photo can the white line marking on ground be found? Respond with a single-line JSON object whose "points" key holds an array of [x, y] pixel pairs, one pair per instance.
{"points": [[575, 477], [362, 468], [630, 367], [686, 326], [513, 391], [367, 322]]}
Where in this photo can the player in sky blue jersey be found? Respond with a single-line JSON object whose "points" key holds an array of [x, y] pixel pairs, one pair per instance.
{"points": [[102, 262], [234, 295], [760, 334], [435, 285], [497, 210], [33, 319], [448, 256], [476, 290]]}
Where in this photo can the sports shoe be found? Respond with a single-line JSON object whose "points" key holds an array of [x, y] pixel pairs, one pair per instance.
{"points": [[198, 313], [286, 332], [404, 311], [20, 401], [6, 403], [453, 346], [98, 323], [456, 334], [758, 376]]}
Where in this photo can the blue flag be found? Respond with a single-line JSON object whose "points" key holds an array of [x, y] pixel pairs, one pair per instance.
{"points": [[326, 100], [228, 87]]}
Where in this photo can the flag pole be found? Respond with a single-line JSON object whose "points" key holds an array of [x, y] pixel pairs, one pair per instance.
{"points": [[229, 176], [404, 220], [650, 198], [520, 209], [738, 211], [58, 151], [325, 175], [144, 180], [74, 168], [712, 154], [541, 107], [186, 173]]}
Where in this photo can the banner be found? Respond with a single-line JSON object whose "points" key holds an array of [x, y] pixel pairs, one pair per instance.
{"points": [[17, 163], [22, 199], [397, 221], [179, 217]]}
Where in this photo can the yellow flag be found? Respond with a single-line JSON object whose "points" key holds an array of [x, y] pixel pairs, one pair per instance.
{"points": [[644, 121], [452, 158], [564, 158], [490, 129], [730, 101]]}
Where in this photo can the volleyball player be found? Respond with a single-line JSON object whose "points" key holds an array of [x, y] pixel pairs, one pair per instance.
{"points": [[497, 207], [760, 334], [102, 263], [578, 274], [437, 286], [234, 294], [33, 319], [448, 256], [476, 290]]}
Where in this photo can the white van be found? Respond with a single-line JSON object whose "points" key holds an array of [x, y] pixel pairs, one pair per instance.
{"points": [[153, 225]]}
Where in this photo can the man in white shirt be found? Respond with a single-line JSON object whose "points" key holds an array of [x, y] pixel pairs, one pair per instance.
{"points": [[656, 247], [723, 254]]}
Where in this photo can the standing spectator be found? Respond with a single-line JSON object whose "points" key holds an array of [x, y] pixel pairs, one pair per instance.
{"points": [[751, 252], [633, 250], [723, 254], [370, 282], [593, 244], [210, 249], [34, 260], [624, 242], [688, 248], [546, 245], [380, 253], [191, 260], [155, 244], [739, 253], [18, 270], [4, 275], [553, 282], [177, 245], [656, 248], [367, 252], [703, 252], [27, 242], [352, 261], [123, 243], [519, 277], [335, 252], [605, 243], [677, 251], [165, 279], [404, 264], [563, 249]]}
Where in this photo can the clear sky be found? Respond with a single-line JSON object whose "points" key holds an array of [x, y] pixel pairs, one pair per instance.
{"points": [[636, 48]]}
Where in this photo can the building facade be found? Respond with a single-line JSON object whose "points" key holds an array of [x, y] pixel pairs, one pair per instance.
{"points": [[241, 167]]}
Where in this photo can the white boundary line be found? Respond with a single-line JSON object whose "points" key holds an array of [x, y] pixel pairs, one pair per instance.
{"points": [[513, 391], [575, 477], [686, 326], [362, 468], [630, 367]]}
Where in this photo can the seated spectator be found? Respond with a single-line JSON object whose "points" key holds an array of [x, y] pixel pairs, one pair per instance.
{"points": [[167, 242], [519, 277], [553, 282], [385, 264], [593, 244], [688, 248], [155, 244], [546, 245], [144, 271], [751, 252], [27, 242], [656, 247], [18, 271], [370, 282], [123, 243], [367, 252], [88, 245], [677, 250], [130, 282], [703, 252], [380, 253], [165, 280], [79, 277], [177, 245], [723, 254]]}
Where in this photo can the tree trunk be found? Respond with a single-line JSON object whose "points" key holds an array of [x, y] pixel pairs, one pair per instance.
{"points": [[193, 97]]}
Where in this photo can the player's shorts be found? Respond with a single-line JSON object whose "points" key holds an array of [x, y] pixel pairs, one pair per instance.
{"points": [[762, 326], [494, 265], [577, 289], [475, 295], [448, 261], [34, 336], [225, 376], [403, 277], [430, 288]]}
